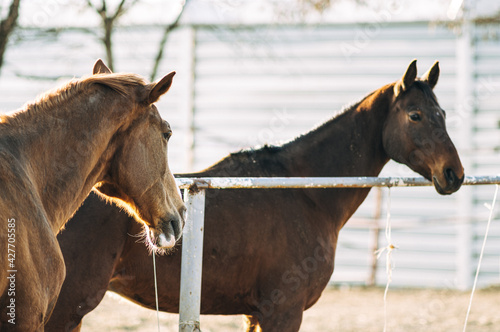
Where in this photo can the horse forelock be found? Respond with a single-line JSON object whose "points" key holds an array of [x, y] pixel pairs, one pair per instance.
{"points": [[422, 86], [426, 89]]}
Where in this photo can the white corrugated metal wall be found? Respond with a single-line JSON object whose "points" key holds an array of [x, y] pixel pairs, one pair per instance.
{"points": [[262, 84], [485, 155]]}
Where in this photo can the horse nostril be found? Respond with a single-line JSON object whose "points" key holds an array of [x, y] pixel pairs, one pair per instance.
{"points": [[176, 225], [450, 175]]}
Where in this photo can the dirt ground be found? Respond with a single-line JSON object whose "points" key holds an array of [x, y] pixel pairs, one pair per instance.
{"points": [[339, 309]]}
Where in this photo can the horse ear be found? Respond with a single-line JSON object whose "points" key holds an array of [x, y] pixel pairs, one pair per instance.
{"points": [[100, 68], [160, 88], [407, 80], [432, 75]]}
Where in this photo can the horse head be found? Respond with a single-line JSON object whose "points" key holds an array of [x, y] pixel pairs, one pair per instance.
{"points": [[415, 131], [139, 174]]}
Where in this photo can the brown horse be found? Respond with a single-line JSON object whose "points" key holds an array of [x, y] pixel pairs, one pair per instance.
{"points": [[268, 254], [102, 130]]}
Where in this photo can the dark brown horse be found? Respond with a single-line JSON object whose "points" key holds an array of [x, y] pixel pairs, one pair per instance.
{"points": [[268, 254], [102, 130]]}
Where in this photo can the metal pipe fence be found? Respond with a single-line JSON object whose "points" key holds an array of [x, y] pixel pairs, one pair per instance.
{"points": [[194, 195], [319, 182]]}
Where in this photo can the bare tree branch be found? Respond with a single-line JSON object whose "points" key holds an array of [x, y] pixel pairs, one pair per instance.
{"points": [[490, 19], [91, 5], [120, 10], [318, 5], [163, 42], [108, 22]]}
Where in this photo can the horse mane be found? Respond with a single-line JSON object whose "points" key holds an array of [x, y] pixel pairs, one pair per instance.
{"points": [[119, 83], [47, 101]]}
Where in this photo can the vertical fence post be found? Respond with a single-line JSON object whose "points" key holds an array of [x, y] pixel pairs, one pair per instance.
{"points": [[192, 258], [465, 105]]}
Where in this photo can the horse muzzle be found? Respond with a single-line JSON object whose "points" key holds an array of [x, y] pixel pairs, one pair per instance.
{"points": [[166, 233], [448, 183]]}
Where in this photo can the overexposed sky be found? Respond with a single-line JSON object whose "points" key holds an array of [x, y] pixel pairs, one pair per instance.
{"points": [[65, 13]]}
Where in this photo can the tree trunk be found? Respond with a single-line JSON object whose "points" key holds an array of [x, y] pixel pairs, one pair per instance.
{"points": [[6, 27]]}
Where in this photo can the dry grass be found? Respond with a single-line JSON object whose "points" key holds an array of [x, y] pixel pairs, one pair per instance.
{"points": [[346, 309]]}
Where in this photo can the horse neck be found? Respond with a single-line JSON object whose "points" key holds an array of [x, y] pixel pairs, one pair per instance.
{"points": [[67, 149], [350, 144]]}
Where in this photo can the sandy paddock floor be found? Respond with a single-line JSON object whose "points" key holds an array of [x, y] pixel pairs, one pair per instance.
{"points": [[339, 309]]}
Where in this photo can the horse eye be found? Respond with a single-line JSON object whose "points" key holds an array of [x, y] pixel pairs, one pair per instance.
{"points": [[167, 135], [415, 116]]}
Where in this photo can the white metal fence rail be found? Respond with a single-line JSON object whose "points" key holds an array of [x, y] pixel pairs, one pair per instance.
{"points": [[194, 195]]}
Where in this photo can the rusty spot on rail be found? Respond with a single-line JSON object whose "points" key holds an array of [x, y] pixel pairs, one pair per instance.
{"points": [[198, 185]]}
